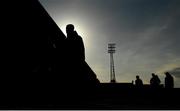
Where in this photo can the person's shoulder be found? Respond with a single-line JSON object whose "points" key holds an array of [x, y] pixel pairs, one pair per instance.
{"points": [[79, 37]]}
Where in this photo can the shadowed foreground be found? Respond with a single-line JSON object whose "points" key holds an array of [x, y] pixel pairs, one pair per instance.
{"points": [[47, 95], [28, 83]]}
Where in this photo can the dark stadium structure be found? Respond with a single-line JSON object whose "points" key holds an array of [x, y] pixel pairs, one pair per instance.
{"points": [[36, 74]]}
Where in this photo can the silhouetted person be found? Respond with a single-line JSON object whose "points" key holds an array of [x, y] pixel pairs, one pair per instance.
{"points": [[155, 81], [132, 82], [138, 82], [75, 44], [77, 69], [169, 80]]}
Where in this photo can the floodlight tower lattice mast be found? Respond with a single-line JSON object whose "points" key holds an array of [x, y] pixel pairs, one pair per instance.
{"points": [[111, 51]]}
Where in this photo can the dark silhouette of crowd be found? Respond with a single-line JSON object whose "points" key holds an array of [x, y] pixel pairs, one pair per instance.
{"points": [[155, 82]]}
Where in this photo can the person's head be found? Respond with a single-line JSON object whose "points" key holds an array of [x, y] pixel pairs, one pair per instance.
{"points": [[69, 28], [167, 73], [153, 75], [137, 77]]}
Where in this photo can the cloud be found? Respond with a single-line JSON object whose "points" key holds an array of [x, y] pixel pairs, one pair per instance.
{"points": [[175, 72]]}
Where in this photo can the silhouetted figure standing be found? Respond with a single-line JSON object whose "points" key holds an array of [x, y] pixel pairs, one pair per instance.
{"points": [[75, 44], [138, 82], [155, 81], [169, 80], [75, 54]]}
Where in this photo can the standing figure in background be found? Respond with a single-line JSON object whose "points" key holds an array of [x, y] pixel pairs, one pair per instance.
{"points": [[75, 54], [155, 81], [138, 82], [169, 80], [78, 71], [75, 44]]}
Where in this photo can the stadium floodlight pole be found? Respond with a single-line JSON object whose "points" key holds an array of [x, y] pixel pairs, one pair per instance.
{"points": [[111, 51]]}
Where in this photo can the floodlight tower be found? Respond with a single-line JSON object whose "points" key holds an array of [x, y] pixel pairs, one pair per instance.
{"points": [[111, 51]]}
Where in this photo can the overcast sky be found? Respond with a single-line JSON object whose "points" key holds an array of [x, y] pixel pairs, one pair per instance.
{"points": [[146, 33]]}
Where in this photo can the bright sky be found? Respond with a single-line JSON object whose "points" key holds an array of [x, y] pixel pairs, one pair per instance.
{"points": [[146, 33]]}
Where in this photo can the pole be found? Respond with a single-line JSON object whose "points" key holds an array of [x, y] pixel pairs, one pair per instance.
{"points": [[111, 50]]}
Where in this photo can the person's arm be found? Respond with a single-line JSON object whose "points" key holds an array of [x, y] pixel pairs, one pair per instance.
{"points": [[141, 82], [81, 45], [82, 49]]}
